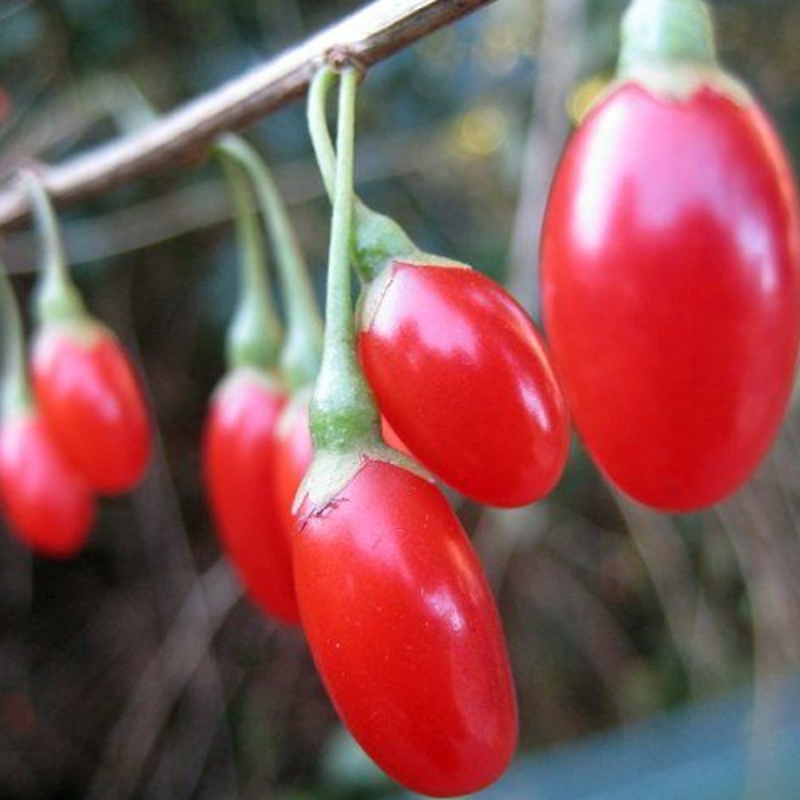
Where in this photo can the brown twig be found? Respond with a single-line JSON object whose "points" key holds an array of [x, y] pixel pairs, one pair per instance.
{"points": [[204, 203], [370, 35]]}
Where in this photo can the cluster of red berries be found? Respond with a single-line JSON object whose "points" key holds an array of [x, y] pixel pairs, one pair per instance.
{"points": [[82, 429], [671, 278], [672, 300]]}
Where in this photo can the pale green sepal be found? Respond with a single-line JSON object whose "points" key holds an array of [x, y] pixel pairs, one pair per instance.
{"points": [[268, 379], [668, 47], [84, 329], [377, 239], [331, 472], [666, 32], [679, 83], [16, 400], [57, 300], [253, 338], [429, 260]]}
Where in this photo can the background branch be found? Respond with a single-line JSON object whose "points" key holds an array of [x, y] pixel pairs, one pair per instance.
{"points": [[370, 35], [205, 203]]}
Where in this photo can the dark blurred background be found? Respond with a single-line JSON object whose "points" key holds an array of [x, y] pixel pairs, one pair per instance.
{"points": [[137, 671]]}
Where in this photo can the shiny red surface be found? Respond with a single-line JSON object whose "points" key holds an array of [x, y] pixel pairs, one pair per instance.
{"points": [[461, 374], [239, 471], [293, 457], [405, 632], [391, 438], [47, 504], [93, 405], [671, 292]]}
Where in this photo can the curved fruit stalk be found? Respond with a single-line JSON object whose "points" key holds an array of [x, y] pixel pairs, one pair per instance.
{"points": [[48, 505], [239, 459], [84, 383], [671, 274], [458, 367], [300, 354], [398, 614]]}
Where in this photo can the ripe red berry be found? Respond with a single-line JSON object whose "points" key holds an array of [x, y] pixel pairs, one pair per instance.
{"points": [[671, 278], [462, 375], [405, 632], [92, 403], [399, 618], [240, 469], [48, 505]]}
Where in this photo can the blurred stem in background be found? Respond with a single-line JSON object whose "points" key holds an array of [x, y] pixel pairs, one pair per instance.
{"points": [[559, 66]]}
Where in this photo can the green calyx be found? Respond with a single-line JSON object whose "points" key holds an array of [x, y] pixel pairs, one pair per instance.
{"points": [[376, 237], [15, 391], [249, 341], [659, 33], [302, 346], [330, 472], [343, 416], [254, 335], [56, 298]]}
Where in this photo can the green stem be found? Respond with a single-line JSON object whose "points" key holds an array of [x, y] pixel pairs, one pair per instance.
{"points": [[344, 417], [254, 336], [15, 392], [658, 33], [300, 355], [318, 127], [57, 298], [376, 238]]}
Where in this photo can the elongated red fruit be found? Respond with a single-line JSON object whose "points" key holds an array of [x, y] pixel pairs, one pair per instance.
{"points": [[48, 505], [671, 280], [405, 632], [240, 469], [462, 376], [92, 403]]}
